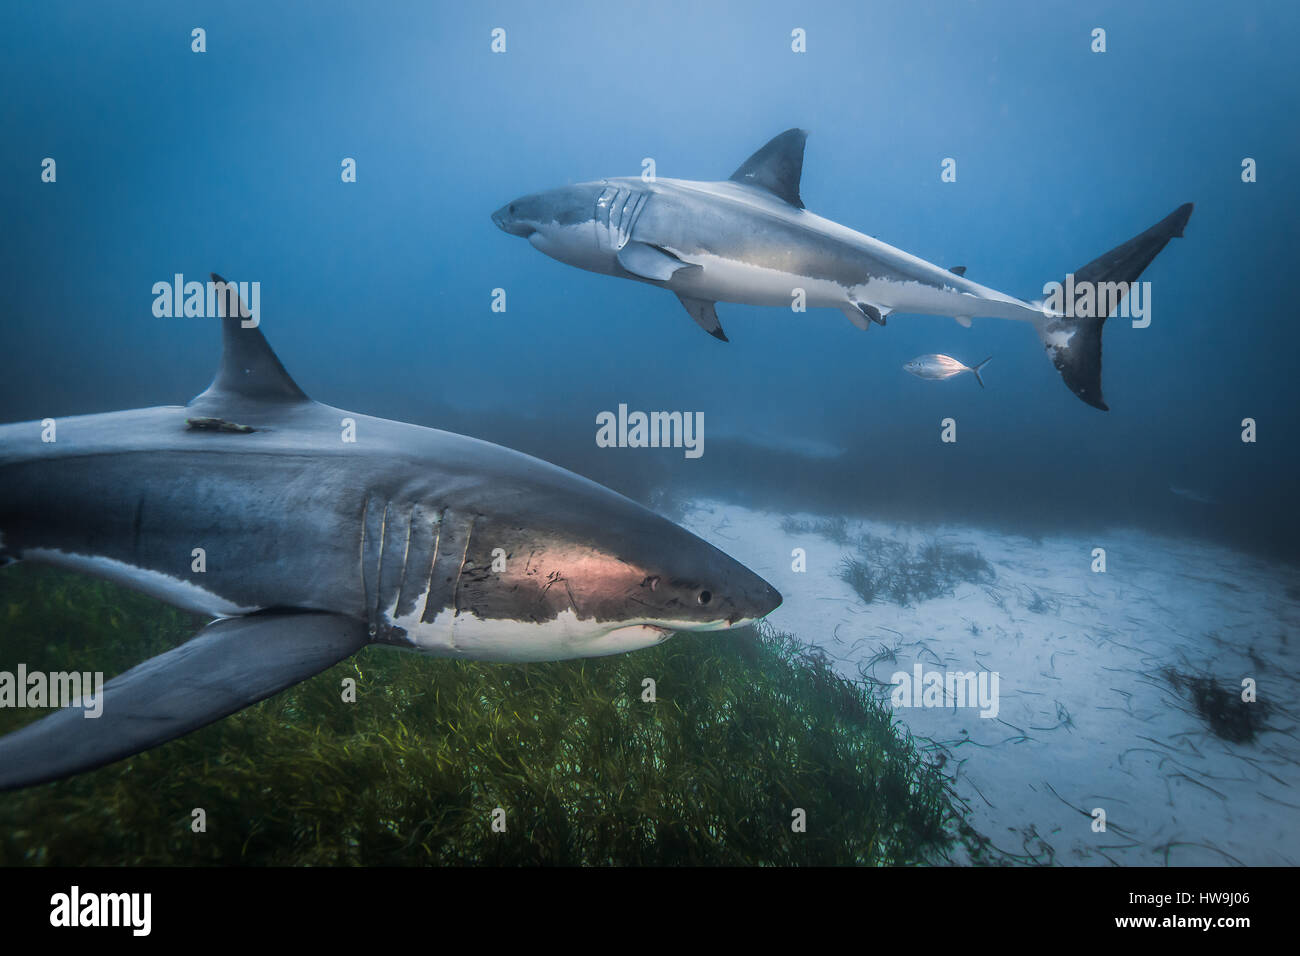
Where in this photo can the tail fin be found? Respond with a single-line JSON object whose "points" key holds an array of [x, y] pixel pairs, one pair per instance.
{"points": [[977, 368], [1074, 343]]}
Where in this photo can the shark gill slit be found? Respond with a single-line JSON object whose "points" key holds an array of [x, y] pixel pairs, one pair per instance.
{"points": [[641, 200], [625, 217], [430, 611], [373, 520], [361, 547], [609, 211], [413, 583], [629, 210], [395, 555], [464, 556], [406, 557], [601, 213], [376, 612]]}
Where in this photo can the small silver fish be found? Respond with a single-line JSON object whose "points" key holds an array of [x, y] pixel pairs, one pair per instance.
{"points": [[942, 366]]}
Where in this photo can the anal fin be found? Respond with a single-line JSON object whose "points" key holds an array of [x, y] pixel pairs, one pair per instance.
{"points": [[705, 314], [231, 664]]}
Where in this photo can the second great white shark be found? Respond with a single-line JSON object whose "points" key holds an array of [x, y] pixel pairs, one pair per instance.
{"points": [[750, 240]]}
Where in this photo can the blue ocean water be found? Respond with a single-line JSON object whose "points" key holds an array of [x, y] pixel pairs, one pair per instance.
{"points": [[377, 294]]}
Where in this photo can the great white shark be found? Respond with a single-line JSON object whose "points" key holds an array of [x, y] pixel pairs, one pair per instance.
{"points": [[750, 240], [313, 546]]}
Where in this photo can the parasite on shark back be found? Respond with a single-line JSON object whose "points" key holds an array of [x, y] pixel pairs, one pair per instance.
{"points": [[316, 546], [750, 240]]}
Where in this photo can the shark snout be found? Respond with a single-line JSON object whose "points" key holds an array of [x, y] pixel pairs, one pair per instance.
{"points": [[505, 221], [758, 599], [768, 600], [705, 586]]}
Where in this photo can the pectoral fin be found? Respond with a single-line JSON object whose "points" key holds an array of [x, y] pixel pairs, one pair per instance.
{"points": [[705, 314], [230, 664], [650, 262]]}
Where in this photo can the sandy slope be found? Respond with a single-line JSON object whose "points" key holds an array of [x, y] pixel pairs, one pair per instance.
{"points": [[1086, 716]]}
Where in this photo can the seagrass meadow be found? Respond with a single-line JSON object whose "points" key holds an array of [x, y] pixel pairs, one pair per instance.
{"points": [[746, 728]]}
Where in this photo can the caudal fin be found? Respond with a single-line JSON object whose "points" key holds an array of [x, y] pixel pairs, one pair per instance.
{"points": [[1074, 342], [977, 368]]}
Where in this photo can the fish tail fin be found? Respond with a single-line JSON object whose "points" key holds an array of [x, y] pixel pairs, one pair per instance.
{"points": [[977, 368], [1073, 343]]}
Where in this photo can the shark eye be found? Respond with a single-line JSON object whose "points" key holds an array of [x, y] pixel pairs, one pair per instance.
{"points": [[512, 209], [651, 582], [703, 598]]}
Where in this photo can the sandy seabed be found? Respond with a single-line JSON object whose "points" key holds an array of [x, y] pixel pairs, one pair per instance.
{"points": [[1087, 717]]}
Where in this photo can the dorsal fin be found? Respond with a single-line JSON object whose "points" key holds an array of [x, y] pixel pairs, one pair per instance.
{"points": [[958, 270], [249, 371], [777, 167]]}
